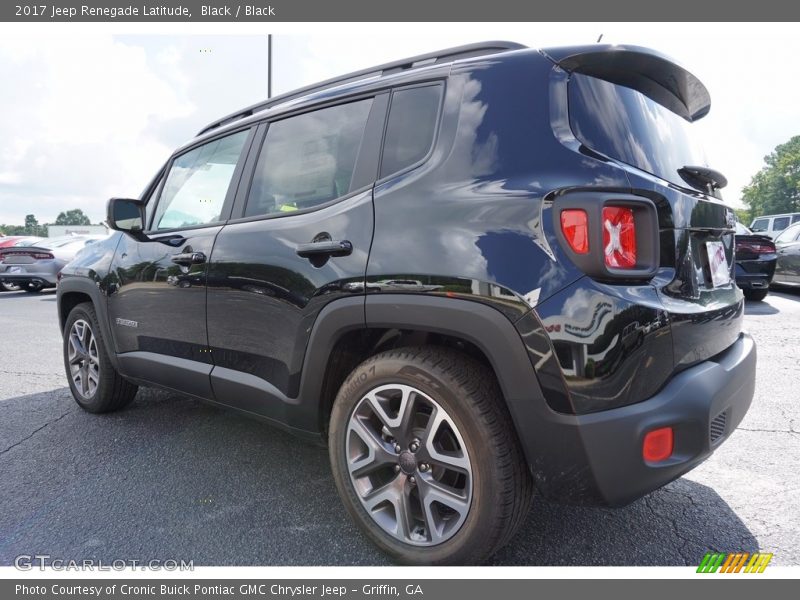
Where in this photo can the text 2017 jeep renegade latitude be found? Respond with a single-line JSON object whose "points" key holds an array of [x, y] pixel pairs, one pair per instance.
{"points": [[471, 273]]}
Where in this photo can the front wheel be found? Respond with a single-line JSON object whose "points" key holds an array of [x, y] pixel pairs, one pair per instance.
{"points": [[426, 459], [94, 382]]}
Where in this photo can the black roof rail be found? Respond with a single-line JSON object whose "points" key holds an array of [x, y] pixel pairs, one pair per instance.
{"points": [[423, 60]]}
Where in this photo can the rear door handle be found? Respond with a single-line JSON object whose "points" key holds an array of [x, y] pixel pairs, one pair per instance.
{"points": [[189, 258], [325, 248]]}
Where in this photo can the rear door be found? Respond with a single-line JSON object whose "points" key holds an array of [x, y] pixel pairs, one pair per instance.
{"points": [[157, 299], [301, 240]]}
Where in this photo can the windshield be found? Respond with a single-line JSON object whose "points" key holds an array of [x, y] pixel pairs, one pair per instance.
{"points": [[626, 125], [788, 235]]}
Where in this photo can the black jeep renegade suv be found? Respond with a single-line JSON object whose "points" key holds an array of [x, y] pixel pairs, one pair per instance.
{"points": [[471, 273]]}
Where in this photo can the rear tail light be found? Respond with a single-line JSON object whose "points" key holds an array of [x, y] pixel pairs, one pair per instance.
{"points": [[36, 255], [609, 236], [746, 246], [619, 237], [658, 444], [575, 227]]}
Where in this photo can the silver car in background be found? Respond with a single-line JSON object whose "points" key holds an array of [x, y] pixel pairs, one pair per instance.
{"points": [[34, 268]]}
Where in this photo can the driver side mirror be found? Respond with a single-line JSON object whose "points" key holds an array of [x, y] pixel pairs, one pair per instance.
{"points": [[126, 215]]}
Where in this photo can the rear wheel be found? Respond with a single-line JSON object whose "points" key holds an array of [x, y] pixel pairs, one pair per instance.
{"points": [[95, 384], [755, 295], [32, 288], [8, 287], [426, 459]]}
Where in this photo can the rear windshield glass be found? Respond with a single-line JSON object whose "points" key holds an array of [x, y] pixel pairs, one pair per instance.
{"points": [[622, 123]]}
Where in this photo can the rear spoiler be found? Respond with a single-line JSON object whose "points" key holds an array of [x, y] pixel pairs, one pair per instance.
{"points": [[659, 78]]}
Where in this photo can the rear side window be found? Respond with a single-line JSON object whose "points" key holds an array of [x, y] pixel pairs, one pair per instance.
{"points": [[760, 225], [308, 160], [411, 127], [628, 126], [197, 184], [795, 219], [780, 223]]}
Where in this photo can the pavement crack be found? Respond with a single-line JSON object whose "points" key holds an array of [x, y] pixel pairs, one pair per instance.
{"points": [[757, 430], [684, 541], [34, 432]]}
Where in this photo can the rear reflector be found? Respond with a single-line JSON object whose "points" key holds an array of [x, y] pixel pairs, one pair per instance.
{"points": [[658, 445], [619, 237], [575, 227]]}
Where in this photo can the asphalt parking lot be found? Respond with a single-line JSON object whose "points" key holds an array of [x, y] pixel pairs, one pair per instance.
{"points": [[172, 478]]}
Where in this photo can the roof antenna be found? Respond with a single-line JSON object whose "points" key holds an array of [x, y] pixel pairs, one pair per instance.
{"points": [[598, 39]]}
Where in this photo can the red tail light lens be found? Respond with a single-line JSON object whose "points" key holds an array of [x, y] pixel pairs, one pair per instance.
{"points": [[619, 237], [575, 227], [747, 247], [42, 255], [658, 445]]}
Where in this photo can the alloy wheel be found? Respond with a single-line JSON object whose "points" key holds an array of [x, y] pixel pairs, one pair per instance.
{"points": [[84, 361], [409, 465]]}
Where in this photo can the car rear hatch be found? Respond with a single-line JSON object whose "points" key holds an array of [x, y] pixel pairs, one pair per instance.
{"points": [[637, 108]]}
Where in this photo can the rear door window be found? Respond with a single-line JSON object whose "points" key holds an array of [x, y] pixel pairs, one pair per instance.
{"points": [[308, 160], [411, 127]]}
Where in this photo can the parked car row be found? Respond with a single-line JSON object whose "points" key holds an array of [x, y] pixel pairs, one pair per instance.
{"points": [[762, 261], [33, 264]]}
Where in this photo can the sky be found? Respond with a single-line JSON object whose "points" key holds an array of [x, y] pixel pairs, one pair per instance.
{"points": [[90, 116]]}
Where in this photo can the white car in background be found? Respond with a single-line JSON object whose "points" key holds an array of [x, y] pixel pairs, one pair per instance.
{"points": [[772, 225]]}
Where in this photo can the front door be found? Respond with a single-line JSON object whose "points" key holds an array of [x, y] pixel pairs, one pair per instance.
{"points": [[157, 299]]}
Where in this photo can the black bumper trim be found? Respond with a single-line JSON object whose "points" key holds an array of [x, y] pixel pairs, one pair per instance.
{"points": [[612, 440]]}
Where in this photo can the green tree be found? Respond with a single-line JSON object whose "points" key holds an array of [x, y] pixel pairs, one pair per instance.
{"points": [[72, 217], [743, 215], [31, 225], [776, 187]]}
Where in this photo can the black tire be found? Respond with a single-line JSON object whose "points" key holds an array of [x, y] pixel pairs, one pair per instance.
{"points": [[755, 295], [32, 288], [8, 287], [112, 391], [502, 487]]}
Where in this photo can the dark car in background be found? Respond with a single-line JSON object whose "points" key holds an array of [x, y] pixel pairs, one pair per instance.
{"points": [[467, 273], [755, 262], [787, 270]]}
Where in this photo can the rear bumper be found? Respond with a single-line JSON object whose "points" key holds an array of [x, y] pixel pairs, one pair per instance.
{"points": [[44, 274], [754, 274], [703, 405]]}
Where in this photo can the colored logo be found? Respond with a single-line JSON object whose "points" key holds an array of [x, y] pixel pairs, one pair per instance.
{"points": [[734, 562]]}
